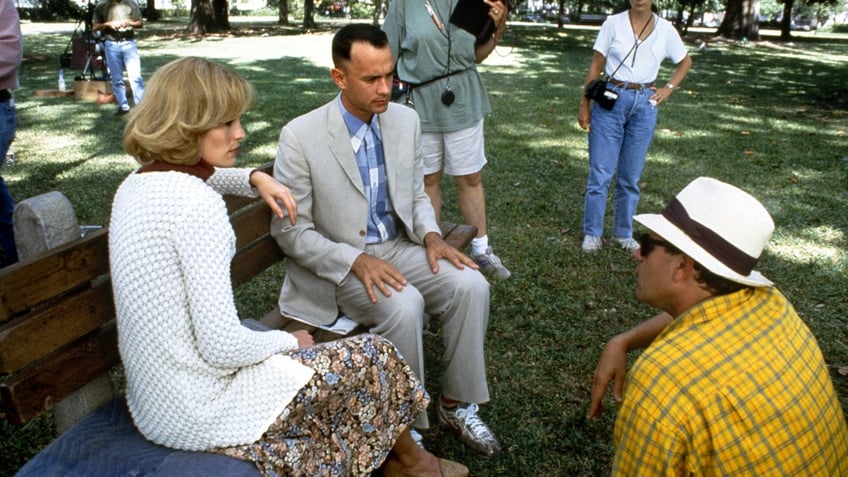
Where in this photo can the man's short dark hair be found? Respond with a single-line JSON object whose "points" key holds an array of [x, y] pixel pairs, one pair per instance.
{"points": [[715, 284], [353, 33], [711, 282]]}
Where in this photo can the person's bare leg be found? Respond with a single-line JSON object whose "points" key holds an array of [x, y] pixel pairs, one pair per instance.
{"points": [[472, 200], [432, 186], [409, 459]]}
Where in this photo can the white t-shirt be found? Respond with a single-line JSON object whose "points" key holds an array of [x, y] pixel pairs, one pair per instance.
{"points": [[617, 37]]}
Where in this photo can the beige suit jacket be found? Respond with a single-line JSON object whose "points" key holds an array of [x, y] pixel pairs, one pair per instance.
{"points": [[315, 160]]}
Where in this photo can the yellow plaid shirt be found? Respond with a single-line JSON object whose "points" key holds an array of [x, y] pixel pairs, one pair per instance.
{"points": [[735, 386]]}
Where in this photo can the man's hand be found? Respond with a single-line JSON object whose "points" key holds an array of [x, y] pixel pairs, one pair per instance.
{"points": [[437, 248], [304, 339], [613, 363], [611, 368], [272, 191], [374, 272]]}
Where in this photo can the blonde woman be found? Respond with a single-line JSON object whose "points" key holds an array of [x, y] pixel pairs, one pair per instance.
{"points": [[196, 378]]}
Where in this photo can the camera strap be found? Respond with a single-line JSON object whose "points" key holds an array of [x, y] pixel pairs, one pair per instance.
{"points": [[433, 80]]}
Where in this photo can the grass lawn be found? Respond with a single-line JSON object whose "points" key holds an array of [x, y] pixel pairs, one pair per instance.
{"points": [[769, 117]]}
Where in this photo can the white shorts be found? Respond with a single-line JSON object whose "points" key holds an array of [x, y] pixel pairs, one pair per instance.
{"points": [[458, 153]]}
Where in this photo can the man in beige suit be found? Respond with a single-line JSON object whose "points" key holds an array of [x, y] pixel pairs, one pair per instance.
{"points": [[366, 242]]}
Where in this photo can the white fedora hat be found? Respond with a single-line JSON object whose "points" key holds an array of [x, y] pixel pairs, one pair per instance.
{"points": [[720, 226]]}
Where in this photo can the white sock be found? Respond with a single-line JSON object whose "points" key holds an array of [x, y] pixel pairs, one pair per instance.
{"points": [[479, 245]]}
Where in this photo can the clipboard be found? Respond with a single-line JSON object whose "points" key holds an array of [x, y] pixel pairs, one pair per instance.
{"points": [[473, 17]]}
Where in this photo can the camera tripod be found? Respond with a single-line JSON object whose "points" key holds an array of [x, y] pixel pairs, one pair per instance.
{"points": [[85, 42]]}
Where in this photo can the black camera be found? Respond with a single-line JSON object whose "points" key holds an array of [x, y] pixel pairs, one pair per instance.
{"points": [[597, 90], [448, 97]]}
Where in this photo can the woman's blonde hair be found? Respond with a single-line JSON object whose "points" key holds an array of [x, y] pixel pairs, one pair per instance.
{"points": [[182, 101]]}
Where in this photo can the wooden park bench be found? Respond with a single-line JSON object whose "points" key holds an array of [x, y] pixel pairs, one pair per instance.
{"points": [[58, 344]]}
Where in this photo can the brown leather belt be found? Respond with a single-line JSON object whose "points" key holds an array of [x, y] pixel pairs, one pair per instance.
{"points": [[631, 85]]}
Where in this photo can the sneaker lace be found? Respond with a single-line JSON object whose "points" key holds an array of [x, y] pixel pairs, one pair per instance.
{"points": [[489, 258], [469, 416], [494, 260]]}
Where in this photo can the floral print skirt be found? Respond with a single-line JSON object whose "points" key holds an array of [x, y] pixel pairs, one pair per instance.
{"points": [[347, 418]]}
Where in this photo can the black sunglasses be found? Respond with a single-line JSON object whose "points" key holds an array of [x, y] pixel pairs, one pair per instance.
{"points": [[647, 244]]}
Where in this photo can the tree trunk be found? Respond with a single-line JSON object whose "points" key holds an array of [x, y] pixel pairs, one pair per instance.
{"points": [[222, 15], [786, 21], [378, 10], [678, 19], [691, 19], [740, 20], [284, 12], [559, 13], [150, 11], [309, 14], [208, 16]]}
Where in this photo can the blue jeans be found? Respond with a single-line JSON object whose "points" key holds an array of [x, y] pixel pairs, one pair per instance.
{"points": [[122, 55], [7, 204], [618, 143]]}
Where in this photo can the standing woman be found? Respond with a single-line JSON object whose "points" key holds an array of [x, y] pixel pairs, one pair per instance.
{"points": [[439, 59], [629, 49], [196, 378]]}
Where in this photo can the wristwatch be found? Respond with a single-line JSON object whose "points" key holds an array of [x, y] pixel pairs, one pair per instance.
{"points": [[670, 86]]}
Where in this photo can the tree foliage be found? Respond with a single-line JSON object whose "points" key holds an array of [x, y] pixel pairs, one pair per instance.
{"points": [[787, 15], [53, 10]]}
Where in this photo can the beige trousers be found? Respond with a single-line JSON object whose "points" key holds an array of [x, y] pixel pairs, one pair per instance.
{"points": [[458, 298]]}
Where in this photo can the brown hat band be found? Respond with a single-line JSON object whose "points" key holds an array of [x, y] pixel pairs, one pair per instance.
{"points": [[737, 260]]}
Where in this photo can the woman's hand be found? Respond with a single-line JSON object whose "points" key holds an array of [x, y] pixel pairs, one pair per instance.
{"points": [[661, 94], [584, 114], [498, 14], [680, 71], [304, 339], [273, 192]]}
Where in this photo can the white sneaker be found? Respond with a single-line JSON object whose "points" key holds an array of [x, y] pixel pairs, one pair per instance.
{"points": [[591, 243], [490, 264], [472, 431], [628, 244]]}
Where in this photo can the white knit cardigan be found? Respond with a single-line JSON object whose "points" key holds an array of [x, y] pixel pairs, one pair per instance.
{"points": [[196, 378]]}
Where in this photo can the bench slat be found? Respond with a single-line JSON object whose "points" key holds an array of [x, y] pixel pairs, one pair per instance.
{"points": [[253, 259], [251, 223], [32, 337], [234, 202], [29, 393], [46, 275]]}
